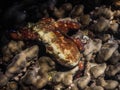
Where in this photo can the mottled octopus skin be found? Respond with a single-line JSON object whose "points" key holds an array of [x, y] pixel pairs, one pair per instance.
{"points": [[51, 32]]}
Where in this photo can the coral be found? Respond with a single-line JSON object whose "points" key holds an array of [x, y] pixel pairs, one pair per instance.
{"points": [[98, 70], [106, 51], [60, 45], [108, 84], [38, 74], [19, 62], [92, 46], [13, 47]]}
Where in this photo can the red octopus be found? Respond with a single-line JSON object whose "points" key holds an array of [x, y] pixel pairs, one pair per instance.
{"points": [[65, 50]]}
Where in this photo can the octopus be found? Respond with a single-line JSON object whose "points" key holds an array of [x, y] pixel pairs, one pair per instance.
{"points": [[53, 33]]}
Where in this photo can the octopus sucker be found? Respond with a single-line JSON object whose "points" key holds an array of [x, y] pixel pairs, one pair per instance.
{"points": [[52, 33]]}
